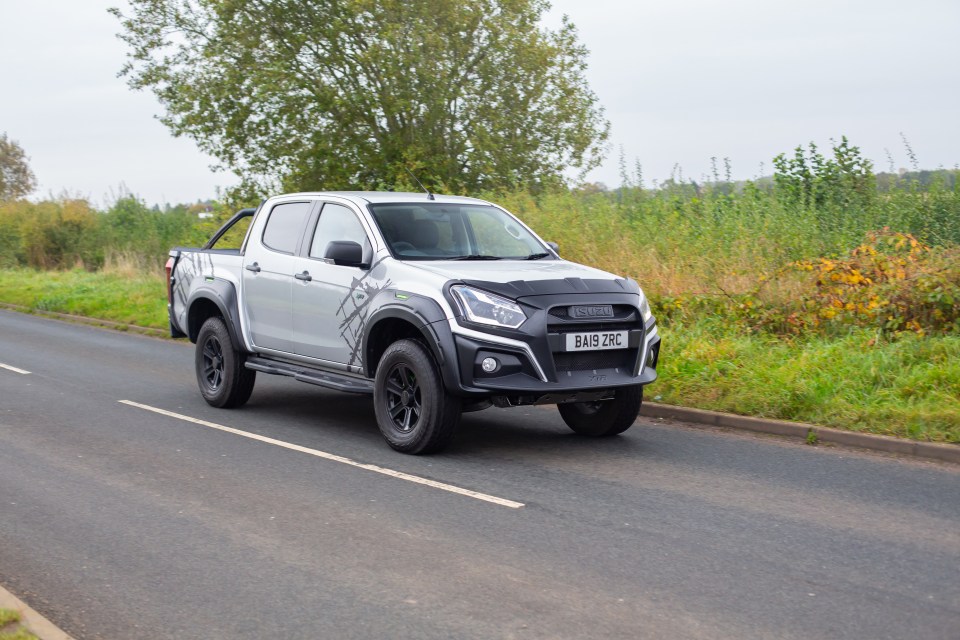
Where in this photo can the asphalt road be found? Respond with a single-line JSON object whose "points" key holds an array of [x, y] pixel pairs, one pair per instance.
{"points": [[119, 522]]}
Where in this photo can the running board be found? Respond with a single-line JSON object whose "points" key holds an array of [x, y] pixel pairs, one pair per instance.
{"points": [[328, 379]]}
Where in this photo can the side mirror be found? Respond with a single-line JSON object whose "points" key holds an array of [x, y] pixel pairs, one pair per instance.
{"points": [[345, 253], [554, 246]]}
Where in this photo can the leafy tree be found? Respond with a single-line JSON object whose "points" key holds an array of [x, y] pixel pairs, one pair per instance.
{"points": [[16, 178], [844, 179], [307, 94]]}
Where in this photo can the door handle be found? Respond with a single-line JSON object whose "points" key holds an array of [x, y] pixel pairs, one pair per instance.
{"points": [[253, 267], [305, 276]]}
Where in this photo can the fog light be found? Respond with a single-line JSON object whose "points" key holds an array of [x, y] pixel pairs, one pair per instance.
{"points": [[489, 365]]}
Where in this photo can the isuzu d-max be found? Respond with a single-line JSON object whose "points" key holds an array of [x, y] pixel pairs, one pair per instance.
{"points": [[434, 305]]}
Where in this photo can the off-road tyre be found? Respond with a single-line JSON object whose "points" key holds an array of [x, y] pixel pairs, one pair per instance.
{"points": [[606, 417], [223, 379], [415, 413]]}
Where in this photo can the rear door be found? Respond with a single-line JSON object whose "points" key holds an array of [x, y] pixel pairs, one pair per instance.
{"points": [[268, 270]]}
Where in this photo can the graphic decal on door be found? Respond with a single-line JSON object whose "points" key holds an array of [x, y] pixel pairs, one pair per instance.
{"points": [[353, 309]]}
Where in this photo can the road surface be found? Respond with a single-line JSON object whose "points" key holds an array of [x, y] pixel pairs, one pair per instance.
{"points": [[291, 518]]}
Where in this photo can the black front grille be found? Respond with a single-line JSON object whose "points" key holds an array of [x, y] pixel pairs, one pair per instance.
{"points": [[590, 360], [620, 312], [592, 326]]}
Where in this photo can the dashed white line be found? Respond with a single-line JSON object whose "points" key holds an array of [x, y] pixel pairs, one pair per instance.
{"points": [[14, 369], [400, 475]]}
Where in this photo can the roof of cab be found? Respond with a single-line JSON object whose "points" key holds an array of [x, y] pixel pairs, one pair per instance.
{"points": [[364, 197]]}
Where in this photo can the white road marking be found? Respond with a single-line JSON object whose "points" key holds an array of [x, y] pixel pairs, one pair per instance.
{"points": [[14, 369], [330, 456]]}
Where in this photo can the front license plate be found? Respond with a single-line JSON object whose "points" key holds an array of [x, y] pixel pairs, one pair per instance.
{"points": [[597, 340]]}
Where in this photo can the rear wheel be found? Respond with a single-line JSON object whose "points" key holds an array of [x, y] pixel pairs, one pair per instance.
{"points": [[224, 381], [605, 417], [414, 411]]}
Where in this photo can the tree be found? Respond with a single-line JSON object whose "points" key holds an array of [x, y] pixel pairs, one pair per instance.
{"points": [[811, 180], [308, 94], [16, 178]]}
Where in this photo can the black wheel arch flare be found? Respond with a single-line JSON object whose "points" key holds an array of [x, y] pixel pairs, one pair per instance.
{"points": [[392, 307], [222, 294]]}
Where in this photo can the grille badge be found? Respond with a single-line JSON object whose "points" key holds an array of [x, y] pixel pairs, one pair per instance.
{"points": [[592, 311]]}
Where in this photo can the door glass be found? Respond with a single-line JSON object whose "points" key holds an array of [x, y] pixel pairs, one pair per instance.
{"points": [[285, 225], [337, 223]]}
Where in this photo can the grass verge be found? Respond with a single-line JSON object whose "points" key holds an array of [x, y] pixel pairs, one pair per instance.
{"points": [[127, 298], [10, 628], [907, 388]]}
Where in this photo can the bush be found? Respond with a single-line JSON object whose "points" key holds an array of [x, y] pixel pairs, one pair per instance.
{"points": [[892, 282], [49, 235]]}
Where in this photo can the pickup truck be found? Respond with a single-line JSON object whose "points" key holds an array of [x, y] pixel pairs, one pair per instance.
{"points": [[434, 305]]}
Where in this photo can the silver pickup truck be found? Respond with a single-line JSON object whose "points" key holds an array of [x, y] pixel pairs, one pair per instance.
{"points": [[434, 305]]}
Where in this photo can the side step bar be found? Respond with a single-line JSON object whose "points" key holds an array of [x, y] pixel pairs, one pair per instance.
{"points": [[330, 380]]}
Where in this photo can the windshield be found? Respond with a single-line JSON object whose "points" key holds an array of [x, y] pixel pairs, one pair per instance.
{"points": [[438, 231]]}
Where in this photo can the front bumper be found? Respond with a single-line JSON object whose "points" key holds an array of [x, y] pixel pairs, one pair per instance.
{"points": [[533, 364]]}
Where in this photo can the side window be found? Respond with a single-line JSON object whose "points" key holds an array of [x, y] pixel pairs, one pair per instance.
{"points": [[285, 225], [337, 222]]}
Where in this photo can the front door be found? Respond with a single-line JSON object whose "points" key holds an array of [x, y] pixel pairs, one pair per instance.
{"points": [[329, 300]]}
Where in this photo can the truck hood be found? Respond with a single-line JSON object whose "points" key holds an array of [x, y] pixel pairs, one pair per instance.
{"points": [[506, 270], [517, 279]]}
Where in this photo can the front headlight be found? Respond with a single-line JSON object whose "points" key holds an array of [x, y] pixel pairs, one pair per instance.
{"points": [[486, 308], [645, 309]]}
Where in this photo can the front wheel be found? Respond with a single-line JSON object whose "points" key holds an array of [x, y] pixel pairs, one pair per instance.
{"points": [[605, 417], [224, 381], [414, 411]]}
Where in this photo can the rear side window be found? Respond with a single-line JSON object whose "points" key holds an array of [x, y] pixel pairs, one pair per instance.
{"points": [[285, 225]]}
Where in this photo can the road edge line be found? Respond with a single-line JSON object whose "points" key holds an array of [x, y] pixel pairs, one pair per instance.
{"points": [[30, 619], [808, 432]]}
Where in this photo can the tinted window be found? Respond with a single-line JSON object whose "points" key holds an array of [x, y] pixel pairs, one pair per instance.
{"points": [[438, 231], [337, 222], [285, 225]]}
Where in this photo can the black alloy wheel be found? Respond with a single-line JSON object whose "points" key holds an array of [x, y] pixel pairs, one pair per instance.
{"points": [[212, 352], [415, 413], [223, 379], [403, 397]]}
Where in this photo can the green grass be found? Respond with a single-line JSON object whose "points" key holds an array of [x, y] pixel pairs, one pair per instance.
{"points": [[127, 298], [907, 388], [10, 629]]}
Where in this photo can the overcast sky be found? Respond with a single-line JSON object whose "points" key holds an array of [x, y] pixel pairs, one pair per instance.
{"points": [[681, 80]]}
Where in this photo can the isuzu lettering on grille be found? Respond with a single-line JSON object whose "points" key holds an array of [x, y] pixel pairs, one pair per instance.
{"points": [[593, 311]]}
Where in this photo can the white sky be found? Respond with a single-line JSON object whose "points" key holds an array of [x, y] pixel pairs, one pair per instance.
{"points": [[681, 80]]}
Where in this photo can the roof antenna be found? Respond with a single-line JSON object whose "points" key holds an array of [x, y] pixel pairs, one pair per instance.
{"points": [[429, 195]]}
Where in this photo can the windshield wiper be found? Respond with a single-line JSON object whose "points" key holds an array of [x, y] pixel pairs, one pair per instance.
{"points": [[478, 257], [537, 256]]}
